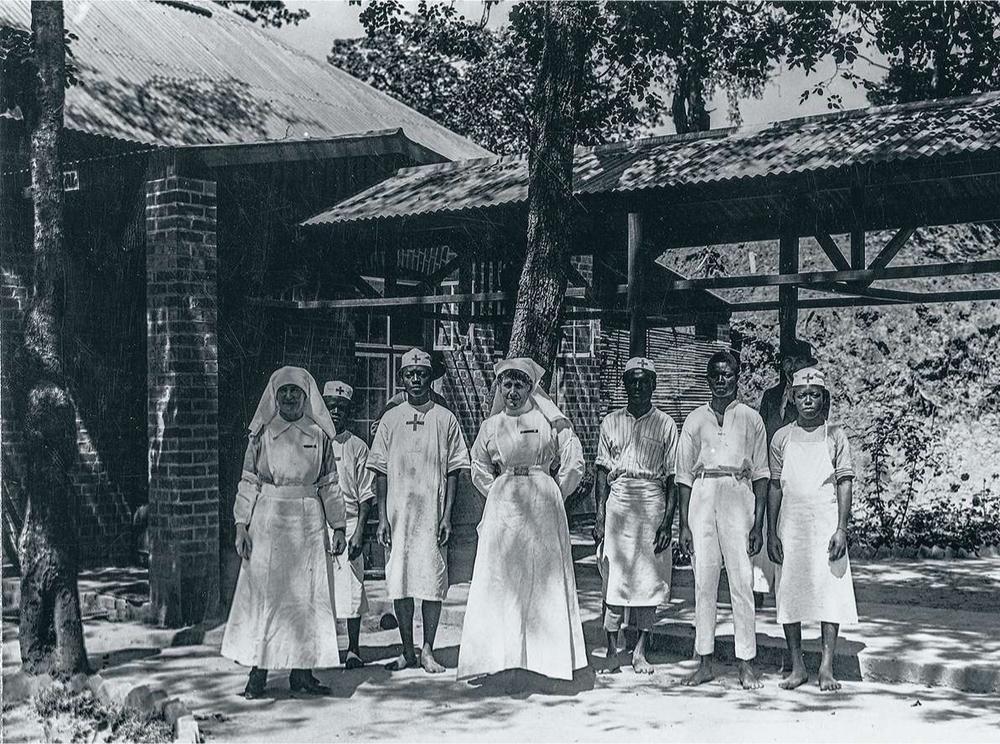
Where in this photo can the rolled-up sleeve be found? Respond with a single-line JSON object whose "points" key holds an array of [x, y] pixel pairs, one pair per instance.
{"points": [[378, 456], [364, 477], [843, 463], [669, 451], [687, 455], [482, 462], [458, 452], [758, 461], [777, 453], [604, 447], [248, 489], [571, 465], [329, 488]]}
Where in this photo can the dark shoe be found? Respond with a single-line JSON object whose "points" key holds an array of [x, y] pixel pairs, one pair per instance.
{"points": [[256, 684], [302, 680]]}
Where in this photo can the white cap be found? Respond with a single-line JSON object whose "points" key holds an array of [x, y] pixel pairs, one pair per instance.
{"points": [[640, 363], [416, 358], [809, 376], [338, 389]]}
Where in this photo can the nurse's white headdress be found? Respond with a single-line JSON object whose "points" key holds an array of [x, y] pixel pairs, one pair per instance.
{"points": [[809, 376], [534, 372], [314, 408]]}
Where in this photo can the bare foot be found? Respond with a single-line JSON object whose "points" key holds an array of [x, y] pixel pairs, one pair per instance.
{"points": [[827, 683], [640, 665], [796, 678], [749, 680], [612, 664], [401, 662], [428, 662], [353, 661], [701, 675]]}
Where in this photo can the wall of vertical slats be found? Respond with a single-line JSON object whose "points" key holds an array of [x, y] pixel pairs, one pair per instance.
{"points": [[680, 357]]}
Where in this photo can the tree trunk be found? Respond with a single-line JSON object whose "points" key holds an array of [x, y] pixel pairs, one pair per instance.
{"points": [[50, 630], [538, 311]]}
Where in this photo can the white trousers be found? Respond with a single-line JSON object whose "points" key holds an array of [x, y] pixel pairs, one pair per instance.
{"points": [[720, 515]]}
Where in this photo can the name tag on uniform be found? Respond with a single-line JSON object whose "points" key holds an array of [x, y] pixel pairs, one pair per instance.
{"points": [[309, 446], [528, 431]]}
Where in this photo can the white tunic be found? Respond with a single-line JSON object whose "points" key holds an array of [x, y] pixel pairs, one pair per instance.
{"points": [[639, 455], [357, 484], [416, 447], [522, 611], [283, 611]]}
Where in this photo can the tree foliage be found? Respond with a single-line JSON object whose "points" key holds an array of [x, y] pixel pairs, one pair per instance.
{"points": [[916, 50], [647, 62], [268, 13]]}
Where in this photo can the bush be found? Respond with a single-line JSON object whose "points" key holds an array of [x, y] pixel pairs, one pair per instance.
{"points": [[80, 716]]}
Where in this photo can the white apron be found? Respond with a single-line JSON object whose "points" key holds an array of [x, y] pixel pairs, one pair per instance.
{"points": [[349, 577], [810, 587], [636, 576], [283, 610], [522, 611]]}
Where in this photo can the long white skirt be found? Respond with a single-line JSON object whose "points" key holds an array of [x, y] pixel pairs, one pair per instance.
{"points": [[283, 610], [637, 577], [522, 611]]}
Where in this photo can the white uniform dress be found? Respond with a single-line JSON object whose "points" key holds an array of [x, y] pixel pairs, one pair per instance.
{"points": [[639, 455], [416, 447], [719, 464], [283, 613], [357, 484], [522, 611], [808, 465]]}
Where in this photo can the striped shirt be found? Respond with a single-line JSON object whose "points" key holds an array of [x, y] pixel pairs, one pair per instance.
{"points": [[738, 447], [644, 447]]}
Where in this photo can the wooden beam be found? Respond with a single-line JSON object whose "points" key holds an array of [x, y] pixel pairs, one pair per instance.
{"points": [[637, 326], [447, 269], [788, 294], [858, 258], [366, 289], [929, 298], [889, 252], [574, 298], [804, 279], [856, 290], [832, 251], [575, 277]]}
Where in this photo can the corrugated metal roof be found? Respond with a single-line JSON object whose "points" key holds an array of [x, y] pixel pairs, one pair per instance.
{"points": [[160, 74], [930, 129]]}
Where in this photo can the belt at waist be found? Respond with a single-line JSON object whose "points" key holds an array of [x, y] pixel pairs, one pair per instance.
{"points": [[724, 474], [524, 470], [272, 491]]}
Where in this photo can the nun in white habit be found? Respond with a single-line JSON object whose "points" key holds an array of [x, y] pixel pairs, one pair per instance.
{"points": [[283, 613], [522, 611]]}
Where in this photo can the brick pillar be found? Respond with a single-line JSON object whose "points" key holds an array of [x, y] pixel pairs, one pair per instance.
{"points": [[182, 376]]}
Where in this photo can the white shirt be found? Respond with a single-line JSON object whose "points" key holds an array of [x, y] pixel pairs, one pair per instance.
{"points": [[737, 447]]}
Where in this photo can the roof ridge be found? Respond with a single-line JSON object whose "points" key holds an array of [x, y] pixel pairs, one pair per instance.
{"points": [[723, 132]]}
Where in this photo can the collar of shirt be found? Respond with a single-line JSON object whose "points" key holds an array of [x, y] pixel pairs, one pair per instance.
{"points": [[343, 436], [639, 418], [279, 426]]}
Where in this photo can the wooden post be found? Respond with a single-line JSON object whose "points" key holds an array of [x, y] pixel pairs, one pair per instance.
{"points": [[788, 296], [637, 320], [858, 258]]}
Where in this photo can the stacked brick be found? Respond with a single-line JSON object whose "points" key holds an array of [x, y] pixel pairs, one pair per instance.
{"points": [[182, 375], [102, 515]]}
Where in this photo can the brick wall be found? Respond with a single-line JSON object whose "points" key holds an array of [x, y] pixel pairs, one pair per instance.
{"points": [[182, 377], [103, 512]]}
